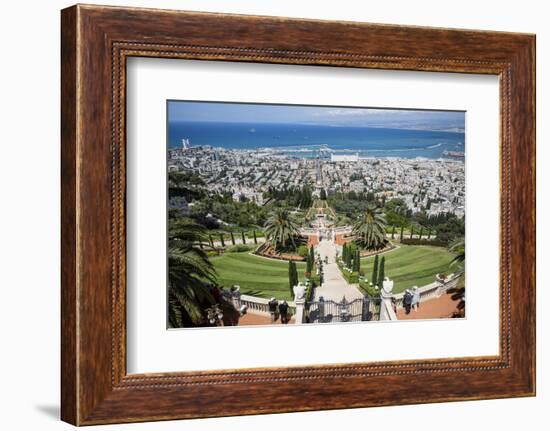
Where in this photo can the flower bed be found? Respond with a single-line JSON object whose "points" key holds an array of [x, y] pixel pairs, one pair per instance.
{"points": [[418, 241], [267, 250], [366, 253]]}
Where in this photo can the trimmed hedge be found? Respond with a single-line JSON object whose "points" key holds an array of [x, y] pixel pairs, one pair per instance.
{"points": [[240, 248], [369, 290], [418, 241], [313, 283], [303, 251], [351, 277]]}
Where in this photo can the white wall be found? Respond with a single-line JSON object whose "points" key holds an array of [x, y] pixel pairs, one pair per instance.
{"points": [[29, 216]]}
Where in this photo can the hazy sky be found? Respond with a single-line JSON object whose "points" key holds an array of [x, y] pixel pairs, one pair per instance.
{"points": [[334, 116]]}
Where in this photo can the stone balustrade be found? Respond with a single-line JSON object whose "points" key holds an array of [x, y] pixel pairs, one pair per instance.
{"points": [[343, 229], [258, 305], [308, 231], [386, 309], [432, 290]]}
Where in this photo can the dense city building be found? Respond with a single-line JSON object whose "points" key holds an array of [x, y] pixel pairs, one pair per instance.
{"points": [[431, 185]]}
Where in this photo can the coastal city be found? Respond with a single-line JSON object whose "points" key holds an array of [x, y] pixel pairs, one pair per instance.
{"points": [[436, 186]]}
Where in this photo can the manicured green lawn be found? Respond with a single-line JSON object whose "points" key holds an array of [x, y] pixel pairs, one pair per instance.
{"points": [[412, 265], [257, 276]]}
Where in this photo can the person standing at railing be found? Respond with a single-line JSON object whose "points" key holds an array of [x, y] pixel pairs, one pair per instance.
{"points": [[407, 301], [283, 311], [415, 302], [273, 303]]}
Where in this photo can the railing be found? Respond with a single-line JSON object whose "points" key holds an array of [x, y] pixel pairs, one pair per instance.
{"points": [[386, 310], [329, 311], [260, 305], [432, 290], [308, 231], [343, 229], [336, 230]]}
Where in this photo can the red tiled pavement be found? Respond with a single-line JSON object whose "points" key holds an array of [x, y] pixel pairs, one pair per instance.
{"points": [[259, 319], [437, 308]]}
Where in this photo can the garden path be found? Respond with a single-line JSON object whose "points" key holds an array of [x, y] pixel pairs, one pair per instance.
{"points": [[334, 286]]}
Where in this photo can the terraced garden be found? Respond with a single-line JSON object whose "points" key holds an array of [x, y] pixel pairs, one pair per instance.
{"points": [[412, 265], [407, 266], [256, 275]]}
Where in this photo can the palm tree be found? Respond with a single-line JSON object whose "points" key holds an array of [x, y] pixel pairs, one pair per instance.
{"points": [[371, 227], [460, 250], [189, 273], [458, 293], [280, 229]]}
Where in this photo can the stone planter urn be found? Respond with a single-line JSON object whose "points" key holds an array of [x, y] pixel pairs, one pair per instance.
{"points": [[387, 286], [299, 292]]}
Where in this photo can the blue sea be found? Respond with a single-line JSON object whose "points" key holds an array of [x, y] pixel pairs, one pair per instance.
{"points": [[303, 140]]}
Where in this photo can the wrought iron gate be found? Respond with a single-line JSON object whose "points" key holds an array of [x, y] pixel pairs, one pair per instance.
{"points": [[329, 311]]}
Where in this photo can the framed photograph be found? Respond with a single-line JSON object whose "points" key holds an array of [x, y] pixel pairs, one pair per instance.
{"points": [[323, 214]]}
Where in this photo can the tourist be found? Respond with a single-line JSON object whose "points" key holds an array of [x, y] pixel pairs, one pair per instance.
{"points": [[415, 303], [273, 303], [407, 301], [283, 311]]}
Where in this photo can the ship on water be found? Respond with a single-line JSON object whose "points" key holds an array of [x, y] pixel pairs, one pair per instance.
{"points": [[455, 154]]}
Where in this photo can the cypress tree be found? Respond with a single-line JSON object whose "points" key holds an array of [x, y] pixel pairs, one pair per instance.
{"points": [[312, 257], [294, 274], [243, 238], [381, 271], [357, 262], [309, 264], [255, 239], [232, 238], [291, 278], [349, 256], [374, 278], [344, 253], [221, 240]]}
